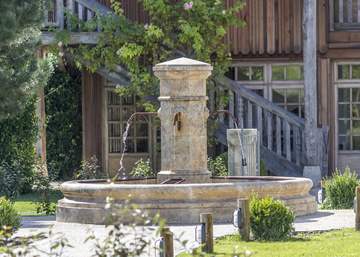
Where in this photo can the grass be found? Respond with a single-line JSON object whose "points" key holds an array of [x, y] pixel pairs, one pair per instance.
{"points": [[26, 206], [345, 242]]}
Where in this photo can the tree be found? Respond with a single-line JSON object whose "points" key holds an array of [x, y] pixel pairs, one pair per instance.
{"points": [[195, 27], [21, 74]]}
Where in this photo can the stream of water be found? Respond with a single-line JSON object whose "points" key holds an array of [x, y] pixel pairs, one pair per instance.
{"points": [[124, 150], [243, 159]]}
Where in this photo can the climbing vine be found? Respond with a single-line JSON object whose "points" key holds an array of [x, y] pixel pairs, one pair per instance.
{"points": [[193, 29], [63, 126]]}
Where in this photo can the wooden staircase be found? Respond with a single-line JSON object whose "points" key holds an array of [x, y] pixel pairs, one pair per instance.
{"points": [[282, 145], [281, 132]]}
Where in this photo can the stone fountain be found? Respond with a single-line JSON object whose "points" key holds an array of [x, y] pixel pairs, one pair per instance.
{"points": [[183, 115]]}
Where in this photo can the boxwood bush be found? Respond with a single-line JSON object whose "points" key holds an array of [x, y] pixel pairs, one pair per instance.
{"points": [[340, 190], [9, 216], [270, 220]]}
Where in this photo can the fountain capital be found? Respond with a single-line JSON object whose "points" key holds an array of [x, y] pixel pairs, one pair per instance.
{"points": [[183, 68]]}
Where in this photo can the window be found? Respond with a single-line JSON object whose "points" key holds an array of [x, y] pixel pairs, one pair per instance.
{"points": [[347, 83], [280, 83], [119, 110]]}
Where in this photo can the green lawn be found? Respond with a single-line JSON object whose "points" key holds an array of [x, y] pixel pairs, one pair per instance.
{"points": [[26, 206], [345, 242]]}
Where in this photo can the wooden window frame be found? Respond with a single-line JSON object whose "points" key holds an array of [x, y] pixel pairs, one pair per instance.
{"points": [[267, 84], [343, 83]]}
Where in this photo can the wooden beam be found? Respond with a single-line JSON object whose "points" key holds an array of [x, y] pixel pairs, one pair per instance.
{"points": [[77, 38], [342, 53], [270, 26], [310, 85], [344, 37], [297, 26], [287, 26], [245, 48], [92, 5], [322, 27]]}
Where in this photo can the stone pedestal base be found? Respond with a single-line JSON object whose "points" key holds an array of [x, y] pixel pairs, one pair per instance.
{"points": [[188, 176], [250, 152], [313, 173], [84, 201]]}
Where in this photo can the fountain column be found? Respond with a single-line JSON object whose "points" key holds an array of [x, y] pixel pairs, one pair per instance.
{"points": [[183, 103]]}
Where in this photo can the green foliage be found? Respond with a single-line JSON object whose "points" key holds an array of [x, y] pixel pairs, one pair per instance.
{"points": [[42, 188], [270, 220], [225, 158], [197, 31], [142, 170], [263, 169], [63, 127], [90, 170], [17, 139], [339, 242], [27, 246], [9, 216], [129, 241], [216, 167], [11, 180], [340, 190], [21, 75]]}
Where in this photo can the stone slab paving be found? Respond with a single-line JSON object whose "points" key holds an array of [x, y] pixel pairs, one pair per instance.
{"points": [[77, 233]]}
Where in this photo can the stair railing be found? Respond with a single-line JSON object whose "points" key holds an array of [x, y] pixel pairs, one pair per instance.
{"points": [[281, 131]]}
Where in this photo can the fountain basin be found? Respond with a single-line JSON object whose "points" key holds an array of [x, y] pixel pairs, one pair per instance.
{"points": [[84, 201]]}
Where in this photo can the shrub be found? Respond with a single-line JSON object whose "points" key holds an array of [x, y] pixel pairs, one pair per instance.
{"points": [[270, 220], [225, 158], [263, 169], [142, 170], [90, 170], [11, 180], [340, 190], [217, 167], [44, 191], [17, 139], [9, 216]]}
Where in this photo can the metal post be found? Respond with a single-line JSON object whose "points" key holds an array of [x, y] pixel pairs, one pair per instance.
{"points": [[207, 218], [168, 242], [243, 204]]}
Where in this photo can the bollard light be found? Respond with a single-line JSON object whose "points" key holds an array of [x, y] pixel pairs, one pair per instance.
{"points": [[321, 195], [243, 161], [200, 233], [354, 204], [159, 244], [237, 218]]}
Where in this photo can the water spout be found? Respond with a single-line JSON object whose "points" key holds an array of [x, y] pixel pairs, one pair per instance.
{"points": [[177, 119], [224, 111], [140, 114]]}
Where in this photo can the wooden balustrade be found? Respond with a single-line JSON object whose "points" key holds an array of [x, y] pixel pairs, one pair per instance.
{"points": [[281, 131], [344, 14], [83, 9]]}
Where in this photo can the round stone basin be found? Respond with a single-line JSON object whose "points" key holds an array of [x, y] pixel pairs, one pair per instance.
{"points": [[84, 201]]}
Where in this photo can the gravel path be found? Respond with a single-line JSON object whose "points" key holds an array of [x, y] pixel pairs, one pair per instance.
{"points": [[77, 233]]}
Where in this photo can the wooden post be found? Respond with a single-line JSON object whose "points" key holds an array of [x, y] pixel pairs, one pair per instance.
{"points": [[357, 209], [243, 204], [207, 218], [310, 83], [168, 242]]}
